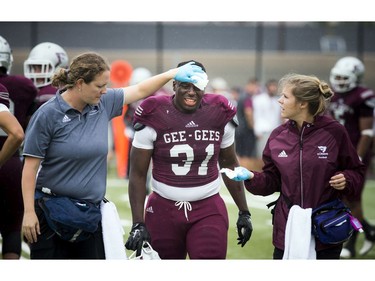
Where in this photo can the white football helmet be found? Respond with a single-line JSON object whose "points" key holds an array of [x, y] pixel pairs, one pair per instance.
{"points": [[6, 57], [139, 74], [43, 61], [346, 74]]}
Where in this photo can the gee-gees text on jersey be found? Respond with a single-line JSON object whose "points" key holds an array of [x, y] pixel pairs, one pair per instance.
{"points": [[198, 135]]}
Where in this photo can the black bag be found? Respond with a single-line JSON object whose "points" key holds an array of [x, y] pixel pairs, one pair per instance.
{"points": [[331, 222], [73, 220]]}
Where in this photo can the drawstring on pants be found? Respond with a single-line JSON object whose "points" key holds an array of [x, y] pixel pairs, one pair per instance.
{"points": [[186, 205]]}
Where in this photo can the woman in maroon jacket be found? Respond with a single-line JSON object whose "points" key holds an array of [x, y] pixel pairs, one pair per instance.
{"points": [[309, 159]]}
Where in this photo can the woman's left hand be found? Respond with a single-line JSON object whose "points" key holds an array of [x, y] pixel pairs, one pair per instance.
{"points": [[338, 181]]}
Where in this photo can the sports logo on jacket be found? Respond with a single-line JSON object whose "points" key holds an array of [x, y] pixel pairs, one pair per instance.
{"points": [[322, 154], [282, 154]]}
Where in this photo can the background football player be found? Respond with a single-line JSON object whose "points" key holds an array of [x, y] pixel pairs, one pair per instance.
{"points": [[41, 64], [22, 93], [353, 106]]}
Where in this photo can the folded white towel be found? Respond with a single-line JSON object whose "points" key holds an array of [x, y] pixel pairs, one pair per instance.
{"points": [[113, 232], [202, 80], [299, 241]]}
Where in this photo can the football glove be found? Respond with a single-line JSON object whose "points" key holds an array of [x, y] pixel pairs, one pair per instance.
{"points": [[244, 227], [187, 71], [138, 235]]}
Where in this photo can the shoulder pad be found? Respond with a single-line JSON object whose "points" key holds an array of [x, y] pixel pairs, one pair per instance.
{"points": [[139, 126], [370, 102], [235, 121]]}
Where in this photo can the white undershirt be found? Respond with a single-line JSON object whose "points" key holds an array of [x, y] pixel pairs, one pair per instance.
{"points": [[3, 107]]}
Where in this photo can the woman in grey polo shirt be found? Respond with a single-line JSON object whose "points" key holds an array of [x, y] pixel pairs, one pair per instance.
{"points": [[66, 148]]}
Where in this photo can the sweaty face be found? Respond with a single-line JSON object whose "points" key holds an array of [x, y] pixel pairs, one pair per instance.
{"points": [[188, 97]]}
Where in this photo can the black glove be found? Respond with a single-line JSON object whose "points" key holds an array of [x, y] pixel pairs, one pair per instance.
{"points": [[244, 227], [138, 235]]}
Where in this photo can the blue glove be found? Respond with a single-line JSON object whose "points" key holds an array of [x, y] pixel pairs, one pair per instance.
{"points": [[239, 173], [242, 174], [244, 227], [138, 235], [186, 71]]}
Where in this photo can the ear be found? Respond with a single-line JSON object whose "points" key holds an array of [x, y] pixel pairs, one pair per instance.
{"points": [[304, 104], [79, 83]]}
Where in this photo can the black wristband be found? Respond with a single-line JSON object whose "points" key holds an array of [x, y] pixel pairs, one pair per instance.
{"points": [[240, 213], [136, 224]]}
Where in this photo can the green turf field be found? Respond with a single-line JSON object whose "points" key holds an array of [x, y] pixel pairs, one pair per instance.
{"points": [[259, 247]]}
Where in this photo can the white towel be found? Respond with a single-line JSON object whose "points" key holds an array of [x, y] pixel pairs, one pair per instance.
{"points": [[299, 241], [113, 233], [202, 80]]}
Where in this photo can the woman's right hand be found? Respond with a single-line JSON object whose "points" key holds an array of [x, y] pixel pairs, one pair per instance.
{"points": [[30, 226]]}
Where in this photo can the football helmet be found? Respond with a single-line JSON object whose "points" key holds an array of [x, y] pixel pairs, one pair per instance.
{"points": [[43, 61], [6, 57], [346, 74], [139, 74]]}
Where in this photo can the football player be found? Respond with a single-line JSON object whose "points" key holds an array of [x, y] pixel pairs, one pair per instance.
{"points": [[188, 136], [40, 66], [10, 126], [22, 93], [353, 106]]}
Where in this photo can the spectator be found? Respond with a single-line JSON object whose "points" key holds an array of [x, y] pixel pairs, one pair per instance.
{"points": [[266, 116], [245, 136]]}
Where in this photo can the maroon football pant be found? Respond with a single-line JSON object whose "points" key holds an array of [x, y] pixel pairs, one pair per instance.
{"points": [[201, 234], [11, 205]]}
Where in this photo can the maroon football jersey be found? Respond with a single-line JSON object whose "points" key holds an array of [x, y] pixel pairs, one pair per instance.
{"points": [[187, 145], [22, 93], [4, 95], [348, 108], [44, 94]]}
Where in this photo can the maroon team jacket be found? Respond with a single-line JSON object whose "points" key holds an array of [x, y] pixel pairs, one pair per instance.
{"points": [[299, 164]]}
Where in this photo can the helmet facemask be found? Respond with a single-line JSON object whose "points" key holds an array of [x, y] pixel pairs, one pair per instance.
{"points": [[44, 59], [346, 74], [6, 57]]}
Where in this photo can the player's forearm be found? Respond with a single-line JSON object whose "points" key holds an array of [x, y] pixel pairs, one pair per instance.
{"points": [[9, 148], [137, 197], [363, 146], [237, 191]]}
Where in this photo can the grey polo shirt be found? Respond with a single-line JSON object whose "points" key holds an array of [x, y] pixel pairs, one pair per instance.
{"points": [[73, 145]]}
